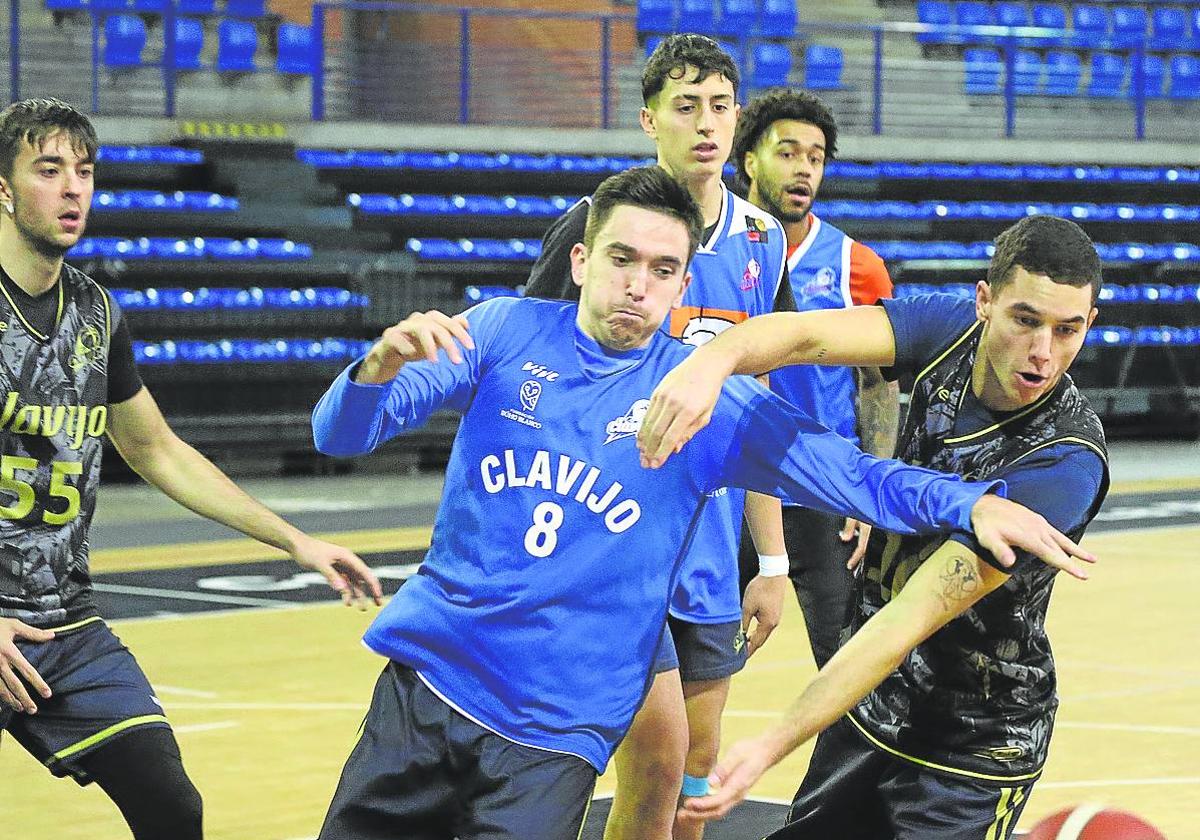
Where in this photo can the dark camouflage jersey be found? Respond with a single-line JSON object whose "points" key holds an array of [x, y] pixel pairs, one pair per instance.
{"points": [[53, 416], [978, 697]]}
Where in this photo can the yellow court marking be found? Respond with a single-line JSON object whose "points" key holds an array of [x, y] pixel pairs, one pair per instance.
{"points": [[1154, 485], [245, 550]]}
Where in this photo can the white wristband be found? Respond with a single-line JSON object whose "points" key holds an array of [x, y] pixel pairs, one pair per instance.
{"points": [[773, 565]]}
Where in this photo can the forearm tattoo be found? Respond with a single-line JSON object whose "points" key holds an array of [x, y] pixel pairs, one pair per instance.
{"points": [[959, 581], [878, 414]]}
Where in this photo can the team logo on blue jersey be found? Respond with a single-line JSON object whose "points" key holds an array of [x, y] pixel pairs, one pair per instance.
{"points": [[530, 392], [822, 283], [629, 423], [756, 229], [752, 276]]}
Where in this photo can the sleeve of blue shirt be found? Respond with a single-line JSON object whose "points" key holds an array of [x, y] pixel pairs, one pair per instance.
{"points": [[1060, 482], [353, 419], [779, 450], [923, 325]]}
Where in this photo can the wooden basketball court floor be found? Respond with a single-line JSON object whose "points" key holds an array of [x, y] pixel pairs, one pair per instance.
{"points": [[265, 680]]}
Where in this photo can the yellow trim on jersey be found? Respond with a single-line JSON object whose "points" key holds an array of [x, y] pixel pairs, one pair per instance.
{"points": [[933, 765], [1032, 407], [67, 628], [28, 326], [105, 734], [947, 352], [1067, 439], [1006, 808]]}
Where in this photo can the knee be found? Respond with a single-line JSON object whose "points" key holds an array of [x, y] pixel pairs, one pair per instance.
{"points": [[171, 810]]}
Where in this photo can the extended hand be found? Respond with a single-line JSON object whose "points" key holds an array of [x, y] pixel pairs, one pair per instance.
{"points": [[680, 406], [1001, 526], [851, 530], [762, 602], [14, 666], [349, 576], [743, 765], [417, 337]]}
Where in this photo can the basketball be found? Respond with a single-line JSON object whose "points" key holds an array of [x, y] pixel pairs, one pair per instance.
{"points": [[1093, 822]]}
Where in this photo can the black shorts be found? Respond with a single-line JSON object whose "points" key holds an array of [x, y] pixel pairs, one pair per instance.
{"points": [[857, 792], [423, 771], [99, 693], [701, 651]]}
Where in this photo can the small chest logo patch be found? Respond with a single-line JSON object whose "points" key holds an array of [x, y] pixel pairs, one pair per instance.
{"points": [[531, 391], [756, 230], [752, 276], [629, 423]]}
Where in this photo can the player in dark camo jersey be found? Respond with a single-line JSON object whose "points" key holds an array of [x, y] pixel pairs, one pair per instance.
{"points": [[70, 692]]}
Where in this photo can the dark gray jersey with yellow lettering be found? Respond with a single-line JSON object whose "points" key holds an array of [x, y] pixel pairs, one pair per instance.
{"points": [[53, 416]]}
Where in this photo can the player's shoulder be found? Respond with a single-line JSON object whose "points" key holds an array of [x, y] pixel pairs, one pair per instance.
{"points": [[747, 217], [72, 277], [512, 307]]}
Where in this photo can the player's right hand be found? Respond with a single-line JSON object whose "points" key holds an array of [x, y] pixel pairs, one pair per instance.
{"points": [[418, 337], [680, 406], [14, 666], [1001, 526]]}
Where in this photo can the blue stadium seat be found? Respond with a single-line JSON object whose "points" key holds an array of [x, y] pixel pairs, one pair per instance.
{"points": [[124, 40], [1128, 25], [1108, 74], [1185, 77], [982, 71], [738, 17], [1013, 14], [1063, 71], [1090, 24], [66, 6], [731, 49], [823, 67], [245, 8], [196, 7], [295, 55], [1154, 74], [107, 6], [652, 43], [1051, 16], [973, 13], [237, 42], [772, 64], [155, 7], [778, 19], [656, 16], [1194, 18], [1168, 28], [1027, 72], [697, 16], [189, 41], [938, 13]]}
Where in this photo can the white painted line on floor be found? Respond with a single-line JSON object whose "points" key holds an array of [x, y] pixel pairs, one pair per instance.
{"points": [[204, 727], [181, 595], [159, 688], [274, 707]]}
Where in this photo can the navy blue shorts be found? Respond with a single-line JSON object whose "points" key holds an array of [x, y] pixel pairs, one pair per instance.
{"points": [[854, 790], [701, 651], [99, 693], [423, 771]]}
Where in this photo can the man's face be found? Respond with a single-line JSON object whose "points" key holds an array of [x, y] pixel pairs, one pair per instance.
{"points": [[632, 277], [691, 124], [786, 168], [50, 192], [1033, 330]]}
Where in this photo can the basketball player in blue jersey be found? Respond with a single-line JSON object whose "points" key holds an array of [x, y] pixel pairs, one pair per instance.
{"points": [[689, 86], [70, 692], [521, 650], [942, 696], [783, 141]]}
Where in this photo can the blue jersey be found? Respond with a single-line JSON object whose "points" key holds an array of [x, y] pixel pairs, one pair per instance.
{"points": [[540, 605]]}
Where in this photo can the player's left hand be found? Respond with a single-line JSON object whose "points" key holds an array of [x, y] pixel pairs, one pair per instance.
{"points": [[851, 530], [349, 576], [742, 765], [762, 603], [680, 406], [1002, 526]]}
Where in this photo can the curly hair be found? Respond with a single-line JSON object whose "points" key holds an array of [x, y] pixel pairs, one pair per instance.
{"points": [[780, 104], [676, 53]]}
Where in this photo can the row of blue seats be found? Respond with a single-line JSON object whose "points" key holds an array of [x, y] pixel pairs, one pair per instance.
{"points": [[232, 8], [552, 206], [165, 248], [125, 39], [769, 64], [1140, 293], [1060, 73], [1091, 26], [607, 165], [529, 249], [150, 155], [1143, 336], [154, 201], [249, 350], [324, 297], [724, 18]]}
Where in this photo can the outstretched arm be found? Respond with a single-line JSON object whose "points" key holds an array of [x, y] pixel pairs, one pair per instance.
{"points": [[945, 586], [683, 402], [155, 452]]}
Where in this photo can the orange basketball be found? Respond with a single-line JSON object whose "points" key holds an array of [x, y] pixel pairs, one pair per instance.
{"points": [[1093, 822]]}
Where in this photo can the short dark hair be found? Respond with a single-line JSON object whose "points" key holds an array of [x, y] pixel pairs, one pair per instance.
{"points": [[33, 120], [780, 104], [1047, 245], [648, 187], [676, 53]]}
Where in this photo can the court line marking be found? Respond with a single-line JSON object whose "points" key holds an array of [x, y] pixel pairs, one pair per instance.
{"points": [[182, 595], [204, 727], [183, 692]]}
